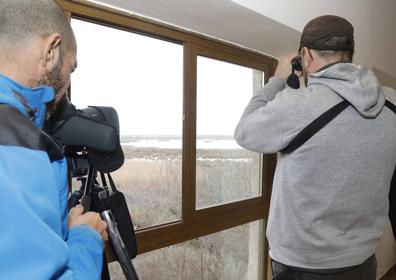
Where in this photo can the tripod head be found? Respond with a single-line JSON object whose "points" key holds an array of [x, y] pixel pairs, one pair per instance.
{"points": [[92, 133]]}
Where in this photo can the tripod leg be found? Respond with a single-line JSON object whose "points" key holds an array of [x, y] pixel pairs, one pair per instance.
{"points": [[119, 246]]}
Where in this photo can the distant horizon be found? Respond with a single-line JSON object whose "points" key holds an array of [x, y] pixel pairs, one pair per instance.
{"points": [[173, 137], [176, 141]]}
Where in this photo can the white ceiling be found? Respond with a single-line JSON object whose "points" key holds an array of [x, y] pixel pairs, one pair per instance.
{"points": [[221, 19], [257, 24]]}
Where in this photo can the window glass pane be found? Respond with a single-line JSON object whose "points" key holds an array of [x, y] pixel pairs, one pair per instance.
{"points": [[231, 254], [225, 171], [142, 78]]}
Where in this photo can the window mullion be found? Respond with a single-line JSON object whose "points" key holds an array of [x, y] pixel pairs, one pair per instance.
{"points": [[189, 132]]}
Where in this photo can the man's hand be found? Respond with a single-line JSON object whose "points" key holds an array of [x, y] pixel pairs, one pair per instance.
{"points": [[284, 68], [91, 219]]}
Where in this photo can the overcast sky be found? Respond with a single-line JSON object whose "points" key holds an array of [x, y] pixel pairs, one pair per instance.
{"points": [[142, 78]]}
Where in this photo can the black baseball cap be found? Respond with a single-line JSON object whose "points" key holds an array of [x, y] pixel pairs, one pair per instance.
{"points": [[328, 33]]}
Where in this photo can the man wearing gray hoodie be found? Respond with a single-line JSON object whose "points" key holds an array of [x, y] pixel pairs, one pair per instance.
{"points": [[329, 202]]}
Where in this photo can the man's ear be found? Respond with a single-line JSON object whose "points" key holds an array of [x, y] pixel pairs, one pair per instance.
{"points": [[308, 59], [50, 51]]}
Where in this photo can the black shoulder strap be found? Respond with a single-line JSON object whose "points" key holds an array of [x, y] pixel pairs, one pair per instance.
{"points": [[319, 123], [315, 126], [390, 105], [392, 203], [392, 191]]}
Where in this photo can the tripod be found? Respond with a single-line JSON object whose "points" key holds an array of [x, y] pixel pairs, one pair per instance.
{"points": [[112, 207]]}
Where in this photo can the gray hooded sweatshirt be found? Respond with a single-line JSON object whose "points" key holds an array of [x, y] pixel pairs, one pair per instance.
{"points": [[329, 200]]}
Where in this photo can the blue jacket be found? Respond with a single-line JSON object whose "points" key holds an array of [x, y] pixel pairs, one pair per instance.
{"points": [[35, 242]]}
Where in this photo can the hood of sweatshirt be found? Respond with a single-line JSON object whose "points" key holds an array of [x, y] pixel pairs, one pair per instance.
{"points": [[358, 85]]}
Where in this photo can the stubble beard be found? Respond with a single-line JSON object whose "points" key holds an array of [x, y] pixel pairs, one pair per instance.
{"points": [[54, 80]]}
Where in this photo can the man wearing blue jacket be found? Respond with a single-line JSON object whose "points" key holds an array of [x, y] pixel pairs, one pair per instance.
{"points": [[38, 239], [329, 203]]}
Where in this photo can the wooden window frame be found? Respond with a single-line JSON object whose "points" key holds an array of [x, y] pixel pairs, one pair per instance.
{"points": [[194, 223]]}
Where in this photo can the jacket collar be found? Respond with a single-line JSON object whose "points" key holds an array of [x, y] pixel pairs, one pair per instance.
{"points": [[31, 102]]}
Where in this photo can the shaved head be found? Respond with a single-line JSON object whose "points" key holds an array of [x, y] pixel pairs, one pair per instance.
{"points": [[22, 20], [37, 45]]}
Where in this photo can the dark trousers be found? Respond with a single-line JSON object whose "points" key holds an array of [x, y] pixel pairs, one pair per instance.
{"points": [[364, 271]]}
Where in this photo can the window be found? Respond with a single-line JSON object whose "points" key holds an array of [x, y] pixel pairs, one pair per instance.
{"points": [[232, 254], [179, 176], [225, 171], [142, 78]]}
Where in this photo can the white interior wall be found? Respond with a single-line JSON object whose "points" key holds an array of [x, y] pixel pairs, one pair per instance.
{"points": [[374, 23], [386, 252]]}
